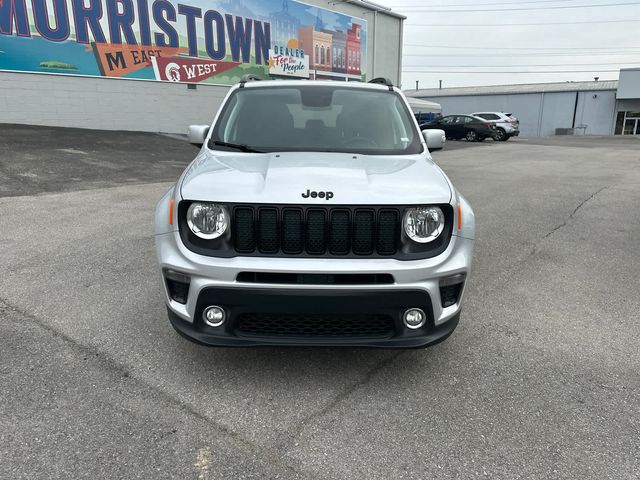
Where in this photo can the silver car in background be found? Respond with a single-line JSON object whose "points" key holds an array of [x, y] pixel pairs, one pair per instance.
{"points": [[314, 215], [507, 125]]}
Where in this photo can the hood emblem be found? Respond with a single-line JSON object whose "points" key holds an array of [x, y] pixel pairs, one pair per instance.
{"points": [[309, 193]]}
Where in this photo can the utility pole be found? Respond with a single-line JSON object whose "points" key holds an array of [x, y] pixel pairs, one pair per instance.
{"points": [[417, 85], [440, 84]]}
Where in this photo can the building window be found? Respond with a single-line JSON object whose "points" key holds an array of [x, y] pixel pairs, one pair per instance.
{"points": [[328, 56], [628, 123], [317, 57]]}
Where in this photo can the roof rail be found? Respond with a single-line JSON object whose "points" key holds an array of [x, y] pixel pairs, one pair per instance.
{"points": [[382, 81], [250, 77]]}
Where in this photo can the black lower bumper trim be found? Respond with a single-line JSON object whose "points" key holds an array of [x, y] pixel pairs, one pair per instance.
{"points": [[331, 308]]}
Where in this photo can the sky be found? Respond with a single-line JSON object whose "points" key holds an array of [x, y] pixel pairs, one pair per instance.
{"points": [[484, 42]]}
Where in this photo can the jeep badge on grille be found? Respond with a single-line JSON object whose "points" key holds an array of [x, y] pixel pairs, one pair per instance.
{"points": [[309, 193]]}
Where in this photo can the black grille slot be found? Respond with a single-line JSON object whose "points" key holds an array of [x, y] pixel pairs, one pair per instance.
{"points": [[244, 228], [292, 239], [322, 326], [363, 232], [316, 278], [268, 230], [339, 241], [316, 234], [450, 294], [178, 291], [387, 232]]}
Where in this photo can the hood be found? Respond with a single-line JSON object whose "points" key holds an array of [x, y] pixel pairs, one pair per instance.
{"points": [[314, 178]]}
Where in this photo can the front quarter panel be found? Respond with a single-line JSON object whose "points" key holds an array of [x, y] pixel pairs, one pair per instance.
{"points": [[468, 229], [162, 223]]}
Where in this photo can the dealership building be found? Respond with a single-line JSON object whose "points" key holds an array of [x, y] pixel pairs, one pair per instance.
{"points": [[160, 65], [546, 109]]}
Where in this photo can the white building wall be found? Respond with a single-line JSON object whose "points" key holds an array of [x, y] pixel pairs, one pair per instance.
{"points": [[119, 104], [628, 105], [108, 104], [541, 113], [629, 87], [596, 111], [557, 112], [387, 44]]}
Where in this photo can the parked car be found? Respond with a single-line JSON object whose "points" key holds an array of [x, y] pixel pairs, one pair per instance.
{"points": [[456, 127], [507, 125], [314, 215]]}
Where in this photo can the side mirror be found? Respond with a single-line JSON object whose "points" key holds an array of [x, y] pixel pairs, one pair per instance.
{"points": [[197, 134], [435, 139]]}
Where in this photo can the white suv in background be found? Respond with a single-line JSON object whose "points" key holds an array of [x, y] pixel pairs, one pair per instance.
{"points": [[507, 125]]}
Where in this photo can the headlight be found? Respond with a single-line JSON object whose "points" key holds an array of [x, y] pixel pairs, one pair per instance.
{"points": [[207, 220], [424, 224]]}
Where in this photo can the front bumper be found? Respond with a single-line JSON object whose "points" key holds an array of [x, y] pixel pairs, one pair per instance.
{"points": [[365, 319], [215, 281]]}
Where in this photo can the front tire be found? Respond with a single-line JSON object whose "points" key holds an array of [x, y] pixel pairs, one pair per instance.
{"points": [[471, 136]]}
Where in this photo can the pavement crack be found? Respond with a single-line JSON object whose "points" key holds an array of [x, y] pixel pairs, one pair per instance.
{"points": [[264, 454], [575, 210], [534, 250]]}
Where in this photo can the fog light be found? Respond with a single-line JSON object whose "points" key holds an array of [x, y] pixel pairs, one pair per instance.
{"points": [[414, 318], [214, 316]]}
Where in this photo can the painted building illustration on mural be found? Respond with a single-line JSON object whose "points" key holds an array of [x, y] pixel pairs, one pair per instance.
{"points": [[284, 25], [334, 51]]}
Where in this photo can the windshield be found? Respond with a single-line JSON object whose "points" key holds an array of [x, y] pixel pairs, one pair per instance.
{"points": [[316, 119]]}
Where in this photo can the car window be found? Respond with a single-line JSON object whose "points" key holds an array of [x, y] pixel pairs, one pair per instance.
{"points": [[317, 118], [466, 119], [447, 120], [489, 116]]}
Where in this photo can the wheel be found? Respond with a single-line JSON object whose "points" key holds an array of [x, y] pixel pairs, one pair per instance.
{"points": [[471, 136], [501, 135]]}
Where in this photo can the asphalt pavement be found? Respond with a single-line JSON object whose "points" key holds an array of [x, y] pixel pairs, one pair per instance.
{"points": [[540, 380]]}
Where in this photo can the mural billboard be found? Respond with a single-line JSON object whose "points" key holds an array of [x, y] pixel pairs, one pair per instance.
{"points": [[196, 41]]}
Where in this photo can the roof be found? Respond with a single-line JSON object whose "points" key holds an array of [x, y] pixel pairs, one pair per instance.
{"points": [[373, 6], [311, 83], [515, 89], [424, 106]]}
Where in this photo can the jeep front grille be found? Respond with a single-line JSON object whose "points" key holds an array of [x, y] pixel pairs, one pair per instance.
{"points": [[315, 230]]}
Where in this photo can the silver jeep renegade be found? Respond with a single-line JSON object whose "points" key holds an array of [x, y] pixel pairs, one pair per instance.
{"points": [[314, 216]]}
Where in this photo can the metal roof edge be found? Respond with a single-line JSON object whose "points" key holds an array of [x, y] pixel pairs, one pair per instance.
{"points": [[375, 7], [515, 89]]}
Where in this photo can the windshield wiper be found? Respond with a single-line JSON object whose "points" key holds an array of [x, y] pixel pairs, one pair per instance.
{"points": [[237, 146]]}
